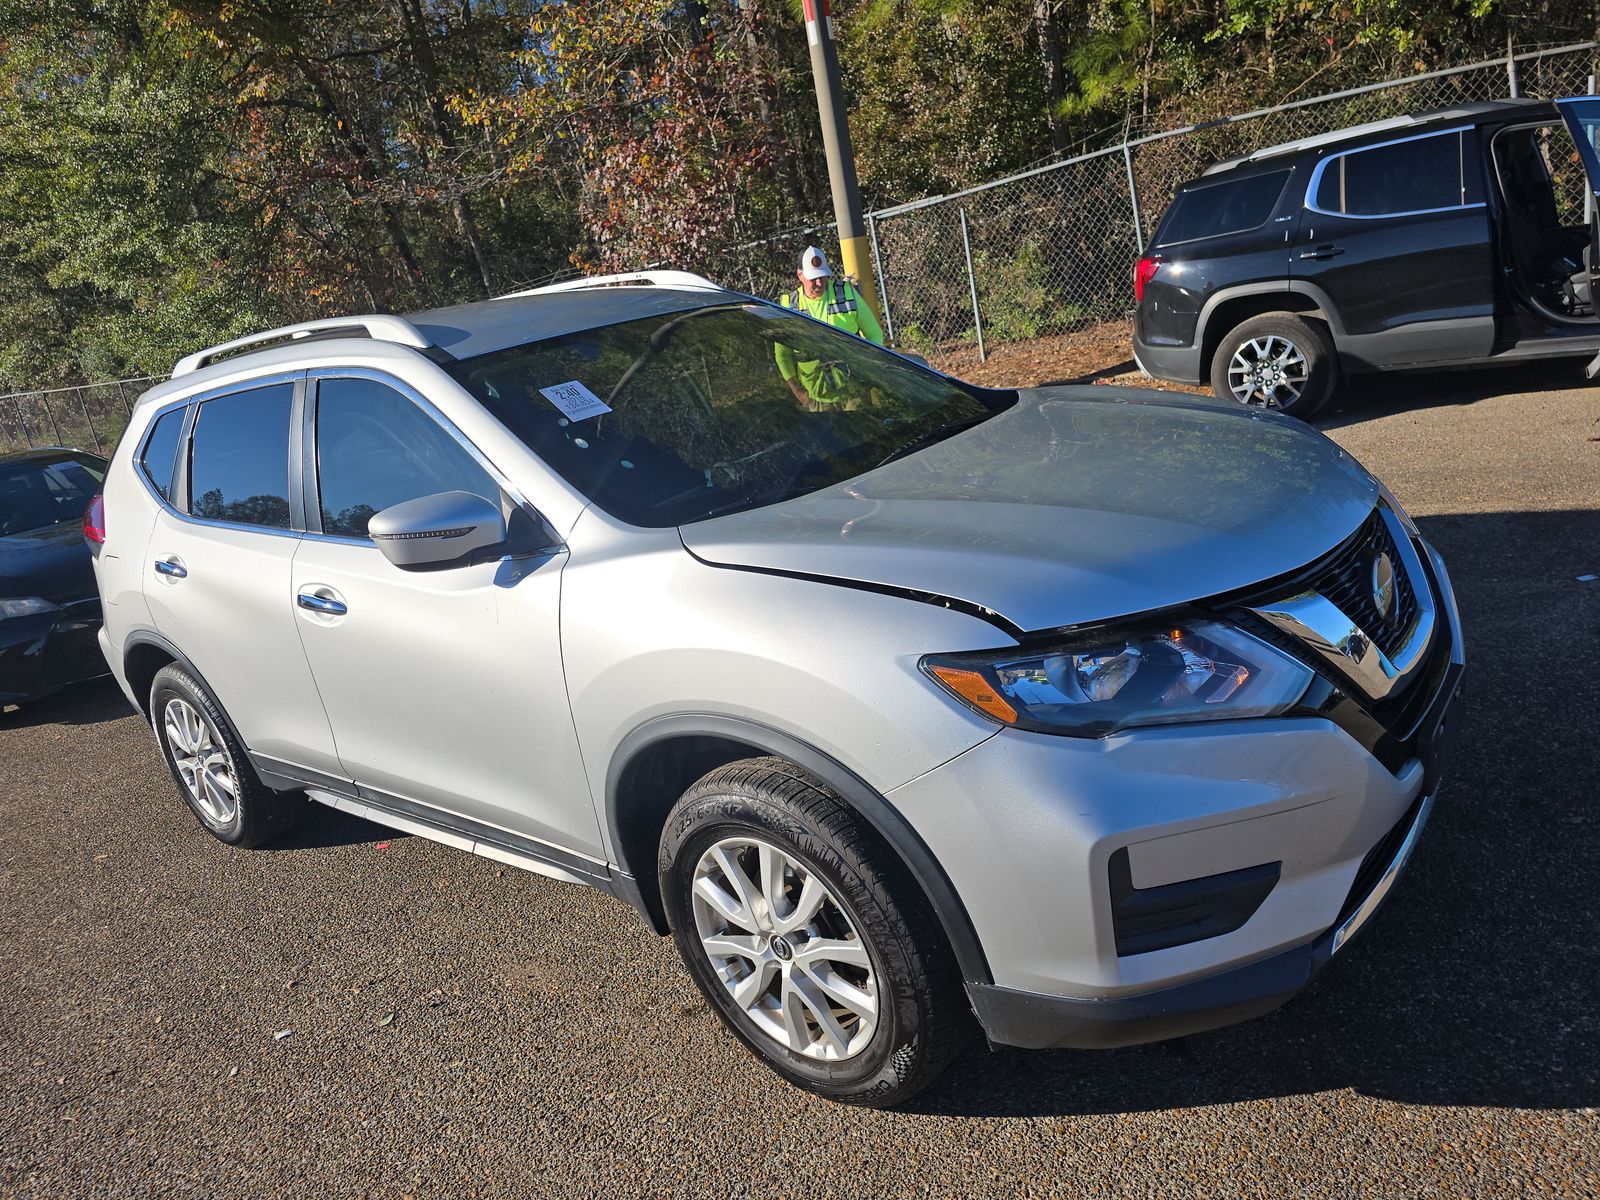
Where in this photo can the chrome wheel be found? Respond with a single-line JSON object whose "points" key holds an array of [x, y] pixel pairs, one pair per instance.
{"points": [[785, 948], [201, 761], [1269, 372]]}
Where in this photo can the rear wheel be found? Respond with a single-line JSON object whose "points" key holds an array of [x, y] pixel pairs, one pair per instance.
{"points": [[1277, 361], [808, 937], [210, 767]]}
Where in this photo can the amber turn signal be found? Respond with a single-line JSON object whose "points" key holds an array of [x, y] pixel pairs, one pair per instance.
{"points": [[976, 691]]}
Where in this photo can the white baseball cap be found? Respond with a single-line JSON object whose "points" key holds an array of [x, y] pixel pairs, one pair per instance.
{"points": [[814, 264]]}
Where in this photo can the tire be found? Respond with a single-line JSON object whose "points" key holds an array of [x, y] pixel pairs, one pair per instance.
{"points": [[1284, 341], [896, 1009], [204, 756]]}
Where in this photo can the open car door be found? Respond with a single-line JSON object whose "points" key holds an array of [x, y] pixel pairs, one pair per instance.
{"points": [[1582, 115]]}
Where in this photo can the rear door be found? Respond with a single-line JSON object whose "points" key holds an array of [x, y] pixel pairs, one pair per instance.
{"points": [[1397, 235], [217, 572]]}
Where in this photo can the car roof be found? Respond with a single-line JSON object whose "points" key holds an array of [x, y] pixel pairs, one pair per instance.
{"points": [[1482, 112], [468, 330], [453, 333]]}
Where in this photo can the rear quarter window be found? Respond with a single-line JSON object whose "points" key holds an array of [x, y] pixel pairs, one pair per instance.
{"points": [[160, 454], [1212, 209]]}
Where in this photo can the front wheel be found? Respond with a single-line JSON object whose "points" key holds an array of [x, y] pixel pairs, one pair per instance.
{"points": [[808, 937], [1277, 361]]}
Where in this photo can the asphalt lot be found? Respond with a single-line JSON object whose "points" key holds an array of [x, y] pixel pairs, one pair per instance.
{"points": [[460, 1029]]}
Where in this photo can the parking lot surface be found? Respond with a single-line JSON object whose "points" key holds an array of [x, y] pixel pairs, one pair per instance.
{"points": [[354, 1012]]}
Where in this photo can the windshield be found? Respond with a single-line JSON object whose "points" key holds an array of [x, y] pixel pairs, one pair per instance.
{"points": [[689, 415], [38, 493]]}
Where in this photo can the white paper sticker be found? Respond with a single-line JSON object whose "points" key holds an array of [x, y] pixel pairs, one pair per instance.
{"points": [[577, 402]]}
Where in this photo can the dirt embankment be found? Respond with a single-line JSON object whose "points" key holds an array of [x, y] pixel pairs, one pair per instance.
{"points": [[1100, 354]]}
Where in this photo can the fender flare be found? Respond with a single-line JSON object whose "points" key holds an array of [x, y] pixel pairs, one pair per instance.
{"points": [[1298, 287], [856, 792], [148, 637]]}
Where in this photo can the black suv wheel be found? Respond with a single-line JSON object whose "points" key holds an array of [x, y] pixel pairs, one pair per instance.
{"points": [[1276, 360]]}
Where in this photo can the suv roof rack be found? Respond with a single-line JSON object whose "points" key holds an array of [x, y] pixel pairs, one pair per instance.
{"points": [[382, 328], [686, 280]]}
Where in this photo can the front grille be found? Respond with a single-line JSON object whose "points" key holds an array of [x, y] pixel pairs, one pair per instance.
{"points": [[1345, 579], [1388, 727]]}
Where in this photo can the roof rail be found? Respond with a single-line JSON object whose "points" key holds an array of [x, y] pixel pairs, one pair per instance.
{"points": [[382, 328], [686, 280]]}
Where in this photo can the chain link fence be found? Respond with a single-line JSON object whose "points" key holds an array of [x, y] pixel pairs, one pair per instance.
{"points": [[90, 417], [1051, 251]]}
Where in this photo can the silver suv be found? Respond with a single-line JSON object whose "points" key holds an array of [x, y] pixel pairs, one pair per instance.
{"points": [[1101, 715]]}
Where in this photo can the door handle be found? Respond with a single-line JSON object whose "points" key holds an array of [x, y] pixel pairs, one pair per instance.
{"points": [[321, 604], [174, 570], [1326, 251]]}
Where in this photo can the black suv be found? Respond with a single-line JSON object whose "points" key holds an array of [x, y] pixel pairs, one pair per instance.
{"points": [[1445, 238]]}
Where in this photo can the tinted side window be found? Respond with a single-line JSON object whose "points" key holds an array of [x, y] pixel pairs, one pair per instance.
{"points": [[1230, 207], [239, 458], [376, 448], [161, 451], [1404, 177]]}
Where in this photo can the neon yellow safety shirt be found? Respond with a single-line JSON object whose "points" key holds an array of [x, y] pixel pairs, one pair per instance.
{"points": [[841, 306]]}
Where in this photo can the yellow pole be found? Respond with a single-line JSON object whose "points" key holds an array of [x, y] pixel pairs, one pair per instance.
{"points": [[855, 250], [855, 256]]}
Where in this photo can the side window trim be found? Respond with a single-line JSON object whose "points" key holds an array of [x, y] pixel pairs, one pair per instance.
{"points": [[308, 460], [1315, 183]]}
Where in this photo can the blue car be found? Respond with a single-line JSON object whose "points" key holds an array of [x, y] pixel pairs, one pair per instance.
{"points": [[49, 609]]}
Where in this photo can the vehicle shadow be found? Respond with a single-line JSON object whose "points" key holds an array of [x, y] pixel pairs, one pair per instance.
{"points": [[1363, 397], [323, 828], [89, 703], [1475, 984]]}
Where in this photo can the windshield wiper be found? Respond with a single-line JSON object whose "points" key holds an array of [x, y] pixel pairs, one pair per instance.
{"points": [[933, 436], [774, 497]]}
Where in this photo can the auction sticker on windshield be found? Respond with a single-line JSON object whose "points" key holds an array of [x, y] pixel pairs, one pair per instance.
{"points": [[577, 402]]}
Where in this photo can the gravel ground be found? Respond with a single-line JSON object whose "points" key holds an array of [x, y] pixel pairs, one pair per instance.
{"points": [[458, 1029]]}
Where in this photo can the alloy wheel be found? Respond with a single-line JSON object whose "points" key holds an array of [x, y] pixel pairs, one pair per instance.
{"points": [[1268, 372], [201, 761], [785, 948]]}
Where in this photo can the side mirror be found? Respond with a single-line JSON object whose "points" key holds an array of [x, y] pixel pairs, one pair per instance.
{"points": [[443, 530]]}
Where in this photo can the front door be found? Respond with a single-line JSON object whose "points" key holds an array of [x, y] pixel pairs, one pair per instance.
{"points": [[1582, 116], [1397, 236], [445, 687]]}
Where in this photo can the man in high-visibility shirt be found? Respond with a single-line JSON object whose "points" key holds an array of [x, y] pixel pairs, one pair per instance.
{"points": [[818, 385]]}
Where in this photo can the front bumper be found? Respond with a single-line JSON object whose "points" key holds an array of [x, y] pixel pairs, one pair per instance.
{"points": [[1031, 828], [40, 654], [1036, 1022]]}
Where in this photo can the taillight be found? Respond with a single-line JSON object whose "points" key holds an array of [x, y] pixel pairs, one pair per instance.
{"points": [[94, 522], [1143, 272]]}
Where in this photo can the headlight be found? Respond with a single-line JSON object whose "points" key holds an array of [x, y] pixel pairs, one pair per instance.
{"points": [[25, 606], [1202, 671]]}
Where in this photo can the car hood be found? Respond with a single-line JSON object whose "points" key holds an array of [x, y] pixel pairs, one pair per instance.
{"points": [[1078, 504], [52, 562]]}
